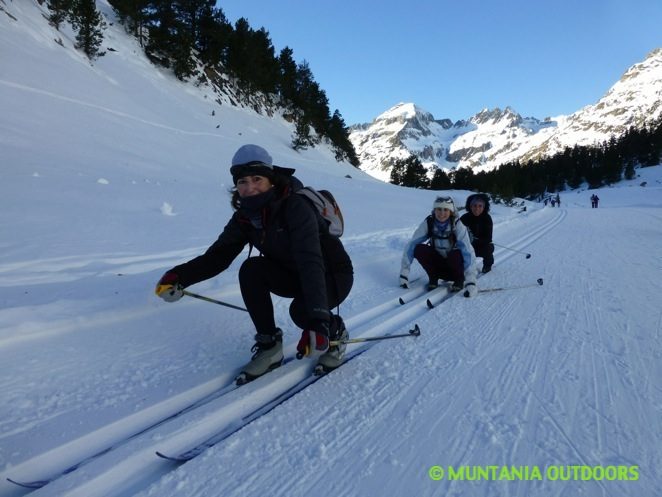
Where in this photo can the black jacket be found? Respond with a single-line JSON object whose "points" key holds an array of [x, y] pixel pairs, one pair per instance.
{"points": [[481, 226], [293, 234]]}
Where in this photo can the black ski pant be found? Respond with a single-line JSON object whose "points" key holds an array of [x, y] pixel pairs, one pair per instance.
{"points": [[486, 251], [438, 267], [259, 277]]}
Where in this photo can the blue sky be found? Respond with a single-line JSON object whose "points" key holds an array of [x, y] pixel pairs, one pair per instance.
{"points": [[455, 58]]}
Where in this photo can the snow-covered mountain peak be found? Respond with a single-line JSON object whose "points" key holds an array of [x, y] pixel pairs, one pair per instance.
{"points": [[404, 114], [634, 100], [496, 136], [497, 116]]}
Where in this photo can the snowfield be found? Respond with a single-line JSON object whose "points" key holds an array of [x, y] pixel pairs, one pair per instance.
{"points": [[114, 172]]}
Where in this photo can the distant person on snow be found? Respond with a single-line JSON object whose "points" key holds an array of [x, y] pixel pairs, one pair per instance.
{"points": [[479, 222], [558, 200], [448, 255], [298, 259], [594, 201]]}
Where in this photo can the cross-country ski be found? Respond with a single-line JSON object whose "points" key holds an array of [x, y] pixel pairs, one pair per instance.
{"points": [[203, 256]]}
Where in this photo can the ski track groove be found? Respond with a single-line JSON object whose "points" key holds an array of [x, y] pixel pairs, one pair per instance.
{"points": [[388, 405]]}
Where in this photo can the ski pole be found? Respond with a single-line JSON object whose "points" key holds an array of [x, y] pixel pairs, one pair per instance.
{"points": [[412, 333], [213, 301], [485, 290], [334, 343], [528, 256]]}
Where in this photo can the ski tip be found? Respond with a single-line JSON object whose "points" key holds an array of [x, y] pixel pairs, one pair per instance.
{"points": [[540, 281], [402, 302], [429, 304], [242, 379], [320, 370], [170, 458], [29, 484]]}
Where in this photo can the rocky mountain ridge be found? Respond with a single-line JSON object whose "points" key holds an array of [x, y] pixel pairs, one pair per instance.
{"points": [[496, 136]]}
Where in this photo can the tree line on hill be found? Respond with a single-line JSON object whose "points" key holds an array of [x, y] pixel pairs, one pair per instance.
{"points": [[594, 166], [185, 35], [84, 18]]}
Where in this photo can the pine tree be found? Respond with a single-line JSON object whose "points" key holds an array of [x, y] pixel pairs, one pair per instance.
{"points": [[89, 24], [339, 135], [462, 178], [133, 15], [302, 136], [409, 172], [287, 82], [237, 53], [214, 36], [61, 10], [397, 169], [440, 180]]}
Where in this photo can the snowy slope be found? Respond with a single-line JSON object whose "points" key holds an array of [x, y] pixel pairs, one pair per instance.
{"points": [[112, 173]]}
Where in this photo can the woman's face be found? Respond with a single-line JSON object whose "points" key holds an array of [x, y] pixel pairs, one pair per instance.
{"points": [[477, 208], [442, 215], [253, 185]]}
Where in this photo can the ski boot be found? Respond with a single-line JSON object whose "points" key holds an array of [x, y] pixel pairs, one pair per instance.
{"points": [[432, 284], [457, 286], [333, 357], [268, 355]]}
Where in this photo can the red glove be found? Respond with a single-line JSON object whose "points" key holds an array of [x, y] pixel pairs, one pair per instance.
{"points": [[169, 288], [314, 341]]}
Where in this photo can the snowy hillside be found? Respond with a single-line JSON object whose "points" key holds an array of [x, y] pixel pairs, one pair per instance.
{"points": [[114, 172], [493, 137]]}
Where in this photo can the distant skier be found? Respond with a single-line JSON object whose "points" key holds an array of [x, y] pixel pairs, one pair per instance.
{"points": [[448, 255], [594, 201], [479, 222], [558, 200], [299, 259]]}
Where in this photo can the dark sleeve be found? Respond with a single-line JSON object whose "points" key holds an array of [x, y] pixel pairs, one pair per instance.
{"points": [[304, 231], [488, 229], [217, 257], [468, 220]]}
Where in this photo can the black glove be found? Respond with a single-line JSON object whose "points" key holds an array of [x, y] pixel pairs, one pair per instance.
{"points": [[470, 290]]}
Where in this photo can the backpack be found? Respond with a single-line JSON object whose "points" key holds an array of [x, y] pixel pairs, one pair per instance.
{"points": [[326, 205], [452, 236]]}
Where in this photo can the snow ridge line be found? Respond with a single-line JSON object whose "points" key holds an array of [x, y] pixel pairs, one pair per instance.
{"points": [[100, 108]]}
